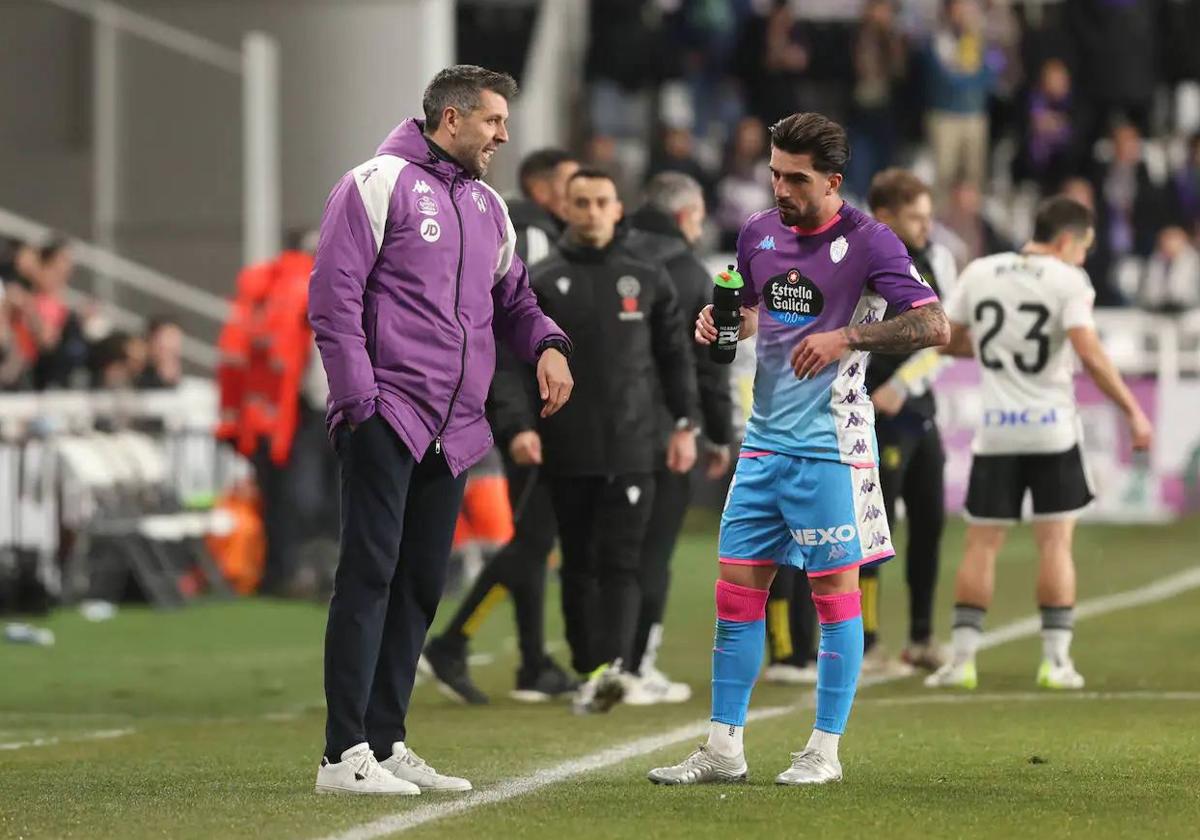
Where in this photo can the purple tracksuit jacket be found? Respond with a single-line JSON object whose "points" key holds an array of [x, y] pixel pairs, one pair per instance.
{"points": [[415, 262]]}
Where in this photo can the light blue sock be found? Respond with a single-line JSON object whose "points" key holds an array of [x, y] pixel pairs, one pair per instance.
{"points": [[839, 659], [737, 650]]}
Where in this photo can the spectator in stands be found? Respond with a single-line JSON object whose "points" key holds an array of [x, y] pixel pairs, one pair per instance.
{"points": [[1172, 279], [61, 349], [1002, 46], [973, 235], [1050, 142], [677, 153], [785, 56], [623, 60], [880, 64], [164, 345], [705, 35], [958, 81], [744, 189], [110, 362], [1118, 43], [1132, 208], [1185, 183]]}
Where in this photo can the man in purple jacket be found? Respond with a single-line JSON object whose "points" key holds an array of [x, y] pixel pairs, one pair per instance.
{"points": [[414, 270]]}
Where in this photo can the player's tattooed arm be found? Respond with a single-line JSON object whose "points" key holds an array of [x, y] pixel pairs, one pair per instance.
{"points": [[925, 326]]}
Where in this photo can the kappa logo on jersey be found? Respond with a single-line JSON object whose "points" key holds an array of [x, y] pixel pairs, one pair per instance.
{"points": [[480, 201], [850, 398], [854, 420], [793, 299], [629, 288], [838, 249], [427, 206], [767, 244], [853, 370], [869, 318], [860, 448], [825, 536], [563, 284], [431, 231], [422, 188]]}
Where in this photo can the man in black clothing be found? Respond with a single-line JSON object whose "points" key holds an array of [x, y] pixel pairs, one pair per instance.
{"points": [[602, 455], [911, 457], [663, 231], [519, 568]]}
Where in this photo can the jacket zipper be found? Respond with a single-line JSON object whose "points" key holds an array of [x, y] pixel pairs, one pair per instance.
{"points": [[462, 370]]}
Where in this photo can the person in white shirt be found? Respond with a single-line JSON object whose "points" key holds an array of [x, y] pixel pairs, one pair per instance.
{"points": [[1026, 317]]}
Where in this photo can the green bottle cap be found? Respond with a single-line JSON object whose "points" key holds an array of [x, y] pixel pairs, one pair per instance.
{"points": [[729, 279]]}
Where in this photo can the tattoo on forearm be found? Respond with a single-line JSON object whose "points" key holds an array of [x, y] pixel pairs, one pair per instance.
{"points": [[925, 326]]}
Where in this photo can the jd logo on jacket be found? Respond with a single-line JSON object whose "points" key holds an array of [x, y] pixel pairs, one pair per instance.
{"points": [[431, 231]]}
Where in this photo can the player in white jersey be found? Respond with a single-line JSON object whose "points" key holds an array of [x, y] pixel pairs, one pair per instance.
{"points": [[1026, 317]]}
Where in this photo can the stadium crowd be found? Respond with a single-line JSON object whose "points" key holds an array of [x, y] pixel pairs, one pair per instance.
{"points": [[995, 102], [47, 343]]}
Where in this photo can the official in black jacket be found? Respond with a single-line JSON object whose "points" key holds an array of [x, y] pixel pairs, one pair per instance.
{"points": [[664, 230], [628, 334], [911, 458], [519, 568]]}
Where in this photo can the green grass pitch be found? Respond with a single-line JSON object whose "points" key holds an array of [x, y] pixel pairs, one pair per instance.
{"points": [[207, 723]]}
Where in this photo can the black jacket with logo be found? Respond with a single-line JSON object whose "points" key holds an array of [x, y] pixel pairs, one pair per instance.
{"points": [[626, 329], [512, 399], [655, 237], [882, 366]]}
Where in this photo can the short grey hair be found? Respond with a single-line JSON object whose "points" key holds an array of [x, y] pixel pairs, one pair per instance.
{"points": [[670, 192], [459, 87]]}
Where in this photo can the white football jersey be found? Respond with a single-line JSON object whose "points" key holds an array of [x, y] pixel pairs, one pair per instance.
{"points": [[1019, 308]]}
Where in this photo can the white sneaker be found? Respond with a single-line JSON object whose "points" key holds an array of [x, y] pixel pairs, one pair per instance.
{"points": [[877, 665], [605, 688], [407, 765], [954, 675], [653, 687], [1059, 675], [810, 767], [359, 773], [783, 674], [701, 767]]}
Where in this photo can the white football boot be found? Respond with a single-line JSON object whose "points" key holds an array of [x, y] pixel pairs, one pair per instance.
{"points": [[704, 766]]}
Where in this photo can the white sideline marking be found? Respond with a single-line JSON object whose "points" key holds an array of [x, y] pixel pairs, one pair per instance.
{"points": [[101, 735], [1159, 590], [1027, 697]]}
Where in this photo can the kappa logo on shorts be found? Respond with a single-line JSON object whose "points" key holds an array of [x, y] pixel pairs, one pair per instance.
{"points": [[868, 486], [853, 370], [860, 448], [878, 540], [838, 553], [824, 536], [851, 397], [873, 512]]}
